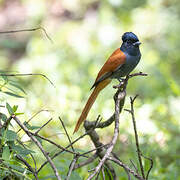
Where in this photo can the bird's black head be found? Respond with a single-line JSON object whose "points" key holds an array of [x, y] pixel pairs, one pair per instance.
{"points": [[130, 43]]}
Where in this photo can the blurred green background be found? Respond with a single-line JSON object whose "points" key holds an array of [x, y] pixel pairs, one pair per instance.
{"points": [[84, 34]]}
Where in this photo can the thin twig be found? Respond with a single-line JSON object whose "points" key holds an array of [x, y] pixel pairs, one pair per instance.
{"points": [[27, 165], [67, 134], [43, 126], [6, 123], [151, 165], [26, 30], [30, 74], [21, 143], [71, 167], [39, 146], [42, 110], [136, 136], [134, 166], [117, 161], [88, 161], [103, 174], [52, 142]]}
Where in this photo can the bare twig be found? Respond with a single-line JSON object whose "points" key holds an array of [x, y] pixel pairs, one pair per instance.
{"points": [[30, 74], [103, 174], [52, 142], [88, 161], [151, 165], [71, 167], [26, 30], [110, 168], [27, 165], [6, 124], [136, 135], [43, 126], [134, 166], [42, 110], [117, 161], [67, 134], [39, 146]]}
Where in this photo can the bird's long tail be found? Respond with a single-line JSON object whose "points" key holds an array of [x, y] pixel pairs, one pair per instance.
{"points": [[90, 102]]}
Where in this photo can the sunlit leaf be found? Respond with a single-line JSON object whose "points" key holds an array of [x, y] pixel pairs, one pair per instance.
{"points": [[12, 94], [15, 107], [9, 108], [18, 87]]}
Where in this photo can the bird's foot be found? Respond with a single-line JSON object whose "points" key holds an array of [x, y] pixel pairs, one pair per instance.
{"points": [[119, 85]]}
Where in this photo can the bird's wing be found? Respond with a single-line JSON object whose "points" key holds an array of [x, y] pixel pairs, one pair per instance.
{"points": [[117, 59]]}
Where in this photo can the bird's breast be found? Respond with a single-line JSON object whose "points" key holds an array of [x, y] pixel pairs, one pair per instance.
{"points": [[130, 63]]}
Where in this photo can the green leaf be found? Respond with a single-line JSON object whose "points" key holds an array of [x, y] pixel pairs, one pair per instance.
{"points": [[5, 78], [6, 153], [75, 176], [15, 107], [3, 117], [9, 108], [10, 135], [17, 114], [12, 94], [21, 150], [17, 86]]}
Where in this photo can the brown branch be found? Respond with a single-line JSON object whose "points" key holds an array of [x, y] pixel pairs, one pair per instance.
{"points": [[27, 165], [88, 161], [43, 126], [21, 143], [136, 135], [6, 123], [117, 161], [71, 167], [42, 110], [26, 30], [30, 74], [119, 103], [39, 146], [67, 134], [151, 165], [120, 95]]}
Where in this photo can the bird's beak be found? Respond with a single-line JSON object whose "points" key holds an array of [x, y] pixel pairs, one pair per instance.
{"points": [[137, 43]]}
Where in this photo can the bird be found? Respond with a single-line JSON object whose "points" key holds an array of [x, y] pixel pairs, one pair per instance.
{"points": [[122, 61]]}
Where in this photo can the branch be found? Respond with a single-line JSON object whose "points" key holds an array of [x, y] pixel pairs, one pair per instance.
{"points": [[88, 161], [117, 161], [39, 146], [71, 167], [120, 95], [30, 74], [136, 135], [26, 30], [27, 165]]}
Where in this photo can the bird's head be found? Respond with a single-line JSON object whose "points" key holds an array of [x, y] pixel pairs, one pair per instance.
{"points": [[130, 42]]}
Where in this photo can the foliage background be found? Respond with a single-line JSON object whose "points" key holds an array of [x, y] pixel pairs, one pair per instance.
{"points": [[84, 34]]}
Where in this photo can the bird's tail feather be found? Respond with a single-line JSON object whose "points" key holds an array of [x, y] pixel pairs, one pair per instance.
{"points": [[90, 102]]}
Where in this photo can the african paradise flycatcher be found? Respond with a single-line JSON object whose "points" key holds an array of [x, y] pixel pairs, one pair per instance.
{"points": [[122, 61]]}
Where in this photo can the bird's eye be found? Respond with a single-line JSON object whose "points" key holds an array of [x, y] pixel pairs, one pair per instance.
{"points": [[128, 41]]}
